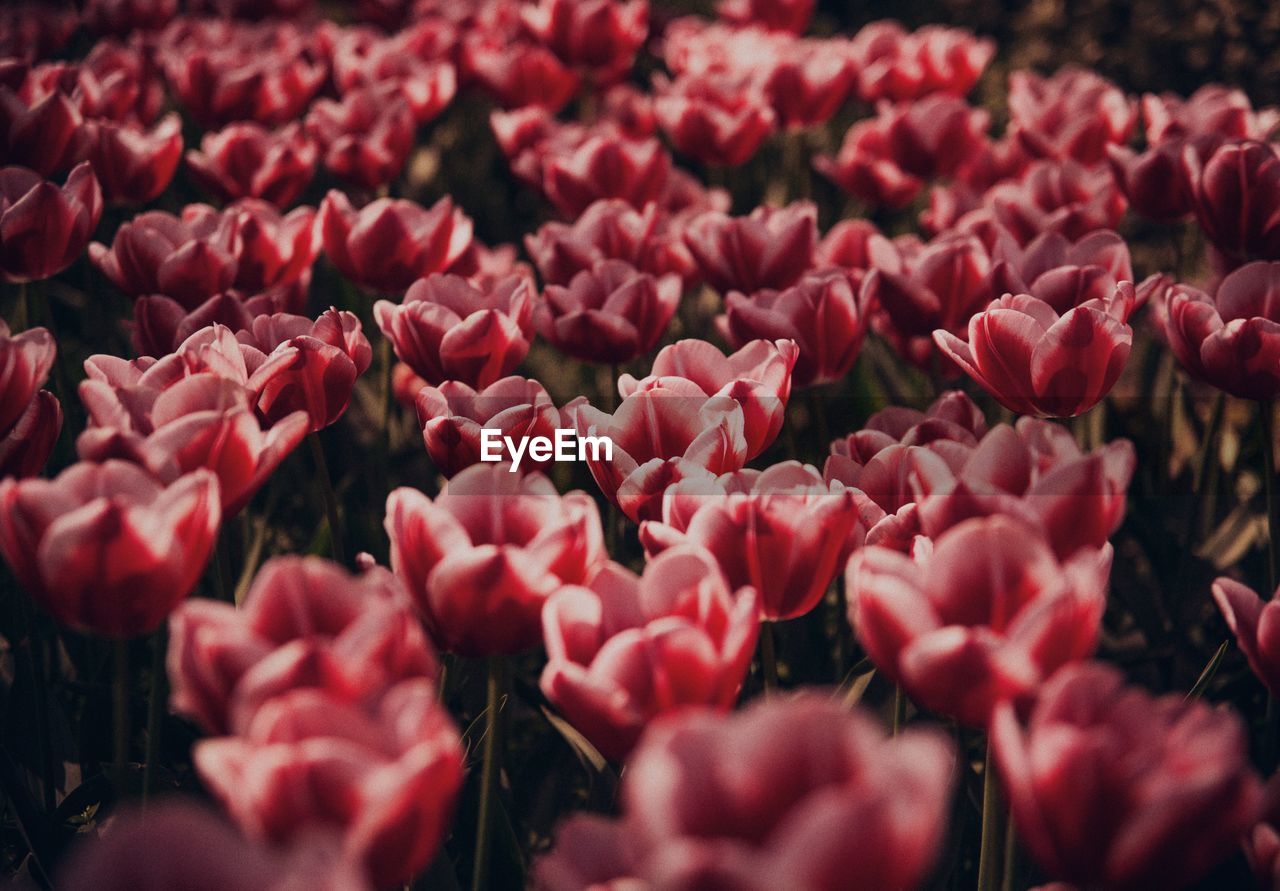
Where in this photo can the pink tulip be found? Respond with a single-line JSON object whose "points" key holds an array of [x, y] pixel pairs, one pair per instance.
{"points": [[1250, 619], [610, 229], [903, 66], [247, 160], [771, 248], [1076, 113], [44, 227], [454, 416]]}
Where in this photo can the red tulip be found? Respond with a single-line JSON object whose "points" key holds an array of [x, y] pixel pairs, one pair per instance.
{"points": [[161, 324], [782, 532], [1213, 111], [45, 134], [247, 160], [605, 166], [610, 313], [623, 650], [367, 137], [1036, 473], [779, 15], [382, 774], [1236, 196], [717, 120], [305, 623], [453, 416], [447, 329], [1113, 788], [134, 165], [518, 73], [1037, 362], [609, 230], [25, 362], [106, 548], [1232, 339], [904, 66], [1062, 273], [120, 82], [392, 243], [1250, 619], [1054, 196], [599, 35], [984, 619], [1076, 113], [757, 377], [425, 81], [1155, 181], [26, 446], [123, 17], [33, 31], [764, 799], [481, 558], [177, 843], [44, 228], [771, 248], [808, 82]]}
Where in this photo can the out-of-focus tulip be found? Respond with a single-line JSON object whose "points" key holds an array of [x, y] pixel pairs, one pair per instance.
{"points": [[1037, 362], [25, 362], [782, 532], [623, 650], [454, 415], [1154, 182], [985, 618], [1212, 111], [771, 248], [43, 228], [601, 36], [26, 446], [903, 66], [1231, 339], [808, 83], [610, 313], [606, 166], [715, 120], [1076, 113], [1060, 272], [361, 58], [46, 135], [391, 243], [134, 165], [518, 74], [447, 329], [1057, 196], [161, 324], [824, 313], [779, 15], [609, 230], [1236, 196], [123, 17], [247, 160], [106, 548], [763, 799], [365, 138], [481, 559], [1252, 620], [1113, 788]]}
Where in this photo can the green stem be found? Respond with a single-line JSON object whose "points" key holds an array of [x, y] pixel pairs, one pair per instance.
{"points": [[155, 701], [488, 777], [989, 858], [899, 709], [120, 701], [330, 499], [23, 322], [388, 413], [1010, 854], [1206, 473], [768, 658]]}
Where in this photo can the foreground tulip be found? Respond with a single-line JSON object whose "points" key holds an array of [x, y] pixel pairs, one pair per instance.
{"points": [[1236, 196], [609, 230], [764, 799], [182, 844], [481, 559], [623, 650], [44, 228], [134, 165], [392, 243], [782, 532], [771, 248], [106, 548], [1252, 621], [1112, 788], [610, 313], [383, 774], [446, 329], [985, 618], [247, 160], [454, 417], [1231, 339], [1035, 362]]}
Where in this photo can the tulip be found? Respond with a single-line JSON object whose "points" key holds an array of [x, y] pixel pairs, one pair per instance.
{"points": [[45, 135], [715, 120], [134, 166], [781, 532], [161, 324], [446, 329], [1037, 362], [904, 66], [1076, 113], [305, 623], [1235, 193], [25, 362], [43, 228], [605, 166], [764, 799], [984, 619], [382, 775], [598, 35], [392, 243], [779, 15], [1232, 339], [123, 17], [1062, 273], [454, 416], [178, 843], [610, 313], [609, 229], [367, 137], [1154, 182], [247, 160], [623, 650], [106, 548], [1058, 196], [26, 446], [808, 84], [120, 82], [1113, 788], [482, 558], [518, 74], [1249, 617], [362, 59], [1212, 111], [771, 248]]}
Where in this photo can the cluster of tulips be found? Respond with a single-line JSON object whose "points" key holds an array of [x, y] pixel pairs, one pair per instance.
{"points": [[926, 553]]}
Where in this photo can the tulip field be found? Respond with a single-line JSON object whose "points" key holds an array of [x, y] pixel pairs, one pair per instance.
{"points": [[639, 445]]}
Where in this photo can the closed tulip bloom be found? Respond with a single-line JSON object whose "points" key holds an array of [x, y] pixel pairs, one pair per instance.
{"points": [[161, 324], [782, 532], [1037, 362], [903, 66], [610, 229], [610, 313], [623, 650], [44, 227], [770, 248], [599, 35], [1236, 196], [482, 558], [454, 416], [25, 362], [1111, 787], [305, 623], [447, 329], [247, 160], [715, 119], [985, 618], [1076, 113], [764, 799], [134, 165], [605, 166], [391, 243], [107, 548], [365, 138], [1250, 619], [518, 74], [1155, 182], [27, 445], [779, 15], [1231, 339], [382, 775]]}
